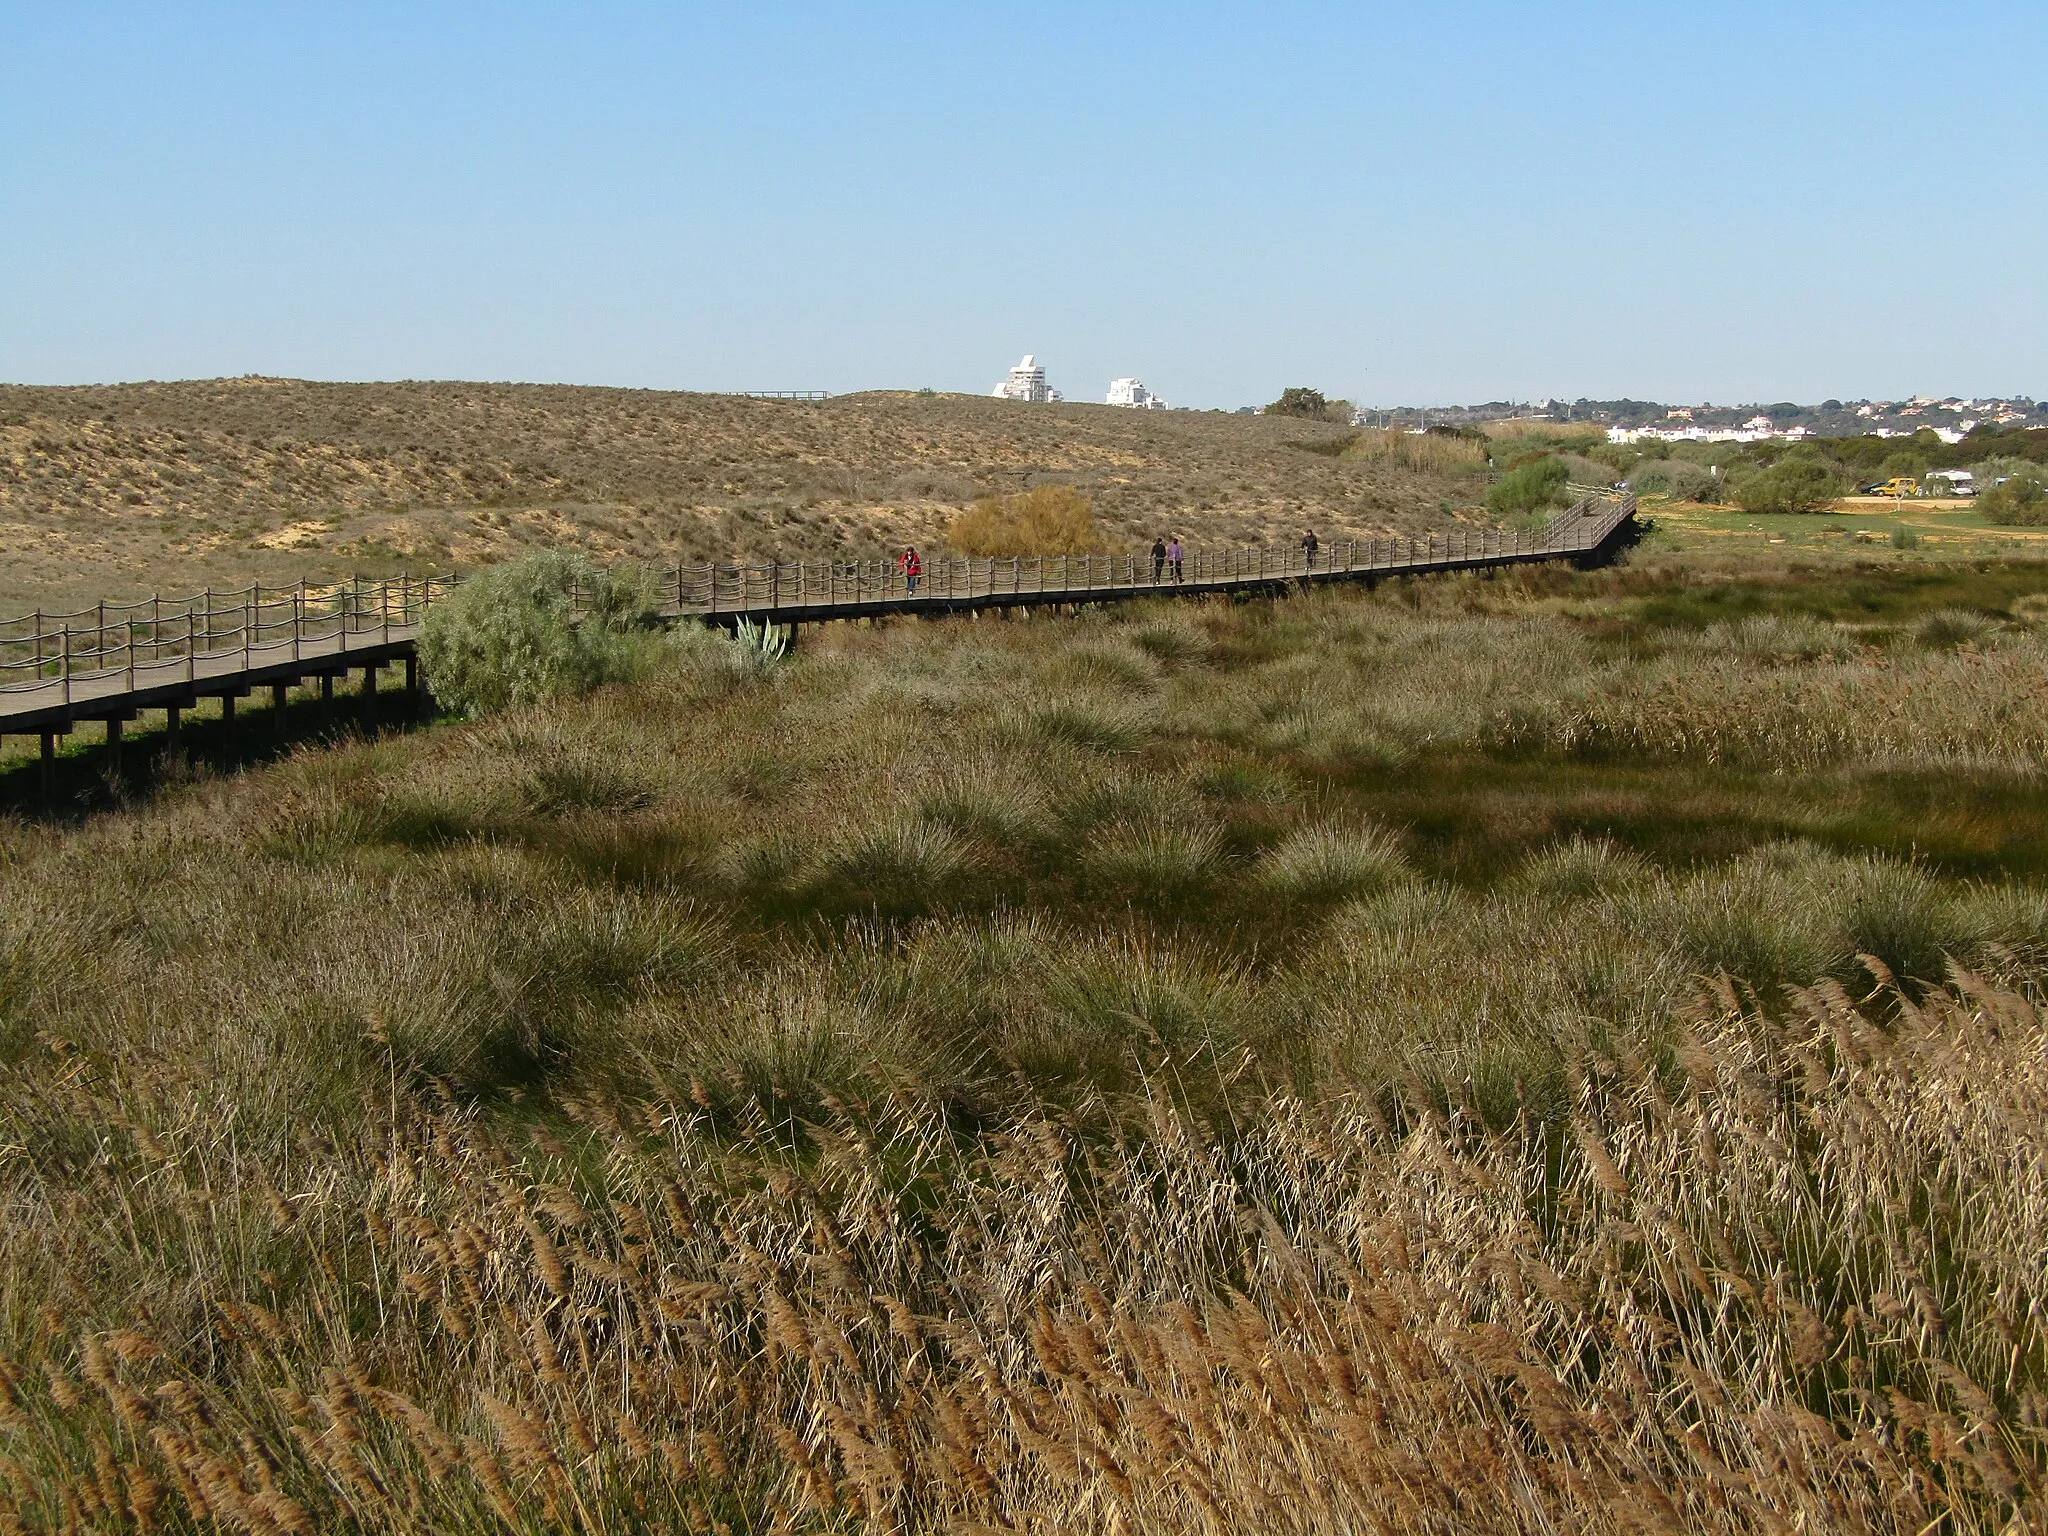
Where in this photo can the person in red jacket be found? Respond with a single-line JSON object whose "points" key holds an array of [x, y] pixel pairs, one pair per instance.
{"points": [[912, 568]]}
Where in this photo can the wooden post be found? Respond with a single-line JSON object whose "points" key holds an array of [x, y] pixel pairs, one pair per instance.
{"points": [[227, 713], [172, 714], [114, 744], [412, 679], [49, 764], [280, 695]]}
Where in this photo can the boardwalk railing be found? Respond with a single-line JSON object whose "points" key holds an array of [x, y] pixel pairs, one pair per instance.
{"points": [[768, 590], [96, 660], [155, 640], [820, 586]]}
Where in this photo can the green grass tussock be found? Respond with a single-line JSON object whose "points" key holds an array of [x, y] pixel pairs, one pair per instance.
{"points": [[1322, 861]]}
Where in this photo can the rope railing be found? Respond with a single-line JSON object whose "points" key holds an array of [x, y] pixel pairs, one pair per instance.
{"points": [[206, 634], [159, 639], [717, 590]]}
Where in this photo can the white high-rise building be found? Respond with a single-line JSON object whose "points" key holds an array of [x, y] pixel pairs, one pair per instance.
{"points": [[1026, 382], [1132, 393]]}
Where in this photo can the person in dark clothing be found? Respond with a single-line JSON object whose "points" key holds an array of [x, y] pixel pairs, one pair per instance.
{"points": [[1158, 560], [1309, 546]]}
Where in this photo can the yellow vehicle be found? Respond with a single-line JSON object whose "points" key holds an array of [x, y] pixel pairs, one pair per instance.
{"points": [[1901, 486]]}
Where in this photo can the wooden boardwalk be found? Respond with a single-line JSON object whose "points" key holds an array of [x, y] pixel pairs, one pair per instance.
{"points": [[111, 661]]}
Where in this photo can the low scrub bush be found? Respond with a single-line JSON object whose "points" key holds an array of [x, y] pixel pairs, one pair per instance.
{"points": [[536, 628], [1533, 487], [1791, 485], [1048, 520], [1581, 470], [2021, 500], [1691, 482], [1310, 405]]}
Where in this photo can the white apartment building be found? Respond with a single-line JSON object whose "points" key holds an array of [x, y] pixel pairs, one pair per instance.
{"points": [[1026, 382], [1132, 393]]}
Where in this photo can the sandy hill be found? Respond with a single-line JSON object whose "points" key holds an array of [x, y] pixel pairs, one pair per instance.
{"points": [[109, 490]]}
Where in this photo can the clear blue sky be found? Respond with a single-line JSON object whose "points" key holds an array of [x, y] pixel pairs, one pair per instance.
{"points": [[1403, 204]]}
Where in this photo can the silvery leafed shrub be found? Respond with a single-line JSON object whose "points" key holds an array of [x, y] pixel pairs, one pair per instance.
{"points": [[539, 627]]}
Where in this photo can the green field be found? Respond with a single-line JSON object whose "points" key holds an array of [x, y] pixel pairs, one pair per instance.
{"points": [[1945, 530], [1299, 1064]]}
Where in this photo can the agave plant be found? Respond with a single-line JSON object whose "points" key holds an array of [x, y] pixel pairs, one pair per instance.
{"points": [[765, 644]]}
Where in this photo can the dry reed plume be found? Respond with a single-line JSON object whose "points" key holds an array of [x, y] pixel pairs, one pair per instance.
{"points": [[1790, 1281]]}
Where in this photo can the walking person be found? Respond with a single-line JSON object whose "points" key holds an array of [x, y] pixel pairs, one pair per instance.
{"points": [[1309, 546], [1158, 560], [1174, 555], [912, 568]]}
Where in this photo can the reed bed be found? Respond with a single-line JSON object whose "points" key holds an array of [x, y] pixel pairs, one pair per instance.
{"points": [[1055, 1076], [1791, 1280], [1429, 452]]}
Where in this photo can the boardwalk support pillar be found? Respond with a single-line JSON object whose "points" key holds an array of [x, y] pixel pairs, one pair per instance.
{"points": [[227, 713], [412, 680], [49, 764], [114, 745], [280, 697]]}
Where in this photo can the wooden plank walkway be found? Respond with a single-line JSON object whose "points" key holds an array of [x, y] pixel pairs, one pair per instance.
{"points": [[111, 661]]}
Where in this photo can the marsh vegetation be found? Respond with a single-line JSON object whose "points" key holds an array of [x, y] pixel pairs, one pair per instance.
{"points": [[1476, 1055]]}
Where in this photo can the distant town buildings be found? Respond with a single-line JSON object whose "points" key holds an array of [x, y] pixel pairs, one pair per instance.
{"points": [[1027, 383], [1131, 393], [1757, 429], [1948, 418]]}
